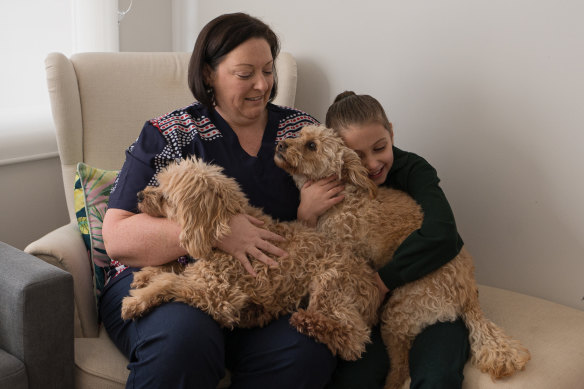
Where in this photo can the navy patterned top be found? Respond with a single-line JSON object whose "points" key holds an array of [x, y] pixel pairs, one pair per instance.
{"points": [[198, 131]]}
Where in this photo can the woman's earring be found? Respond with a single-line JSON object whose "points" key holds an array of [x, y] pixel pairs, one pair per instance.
{"points": [[211, 94]]}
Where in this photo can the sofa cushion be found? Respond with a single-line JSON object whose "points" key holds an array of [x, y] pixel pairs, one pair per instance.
{"points": [[91, 194], [99, 364], [552, 333]]}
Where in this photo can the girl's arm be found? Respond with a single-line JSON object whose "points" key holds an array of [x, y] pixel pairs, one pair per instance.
{"points": [[437, 241]]}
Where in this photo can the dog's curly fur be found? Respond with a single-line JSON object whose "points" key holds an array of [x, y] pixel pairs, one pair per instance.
{"points": [[337, 287], [376, 221]]}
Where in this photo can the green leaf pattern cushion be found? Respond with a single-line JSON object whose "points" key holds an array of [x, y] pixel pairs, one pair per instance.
{"points": [[91, 194]]}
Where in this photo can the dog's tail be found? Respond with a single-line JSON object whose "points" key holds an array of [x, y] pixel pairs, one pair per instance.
{"points": [[492, 351]]}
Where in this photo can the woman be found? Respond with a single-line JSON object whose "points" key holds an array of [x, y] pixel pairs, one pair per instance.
{"points": [[233, 125]]}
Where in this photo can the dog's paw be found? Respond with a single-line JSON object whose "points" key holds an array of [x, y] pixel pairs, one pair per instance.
{"points": [[503, 362], [133, 307], [343, 340], [141, 279]]}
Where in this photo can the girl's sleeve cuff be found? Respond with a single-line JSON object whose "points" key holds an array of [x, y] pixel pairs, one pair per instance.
{"points": [[390, 277]]}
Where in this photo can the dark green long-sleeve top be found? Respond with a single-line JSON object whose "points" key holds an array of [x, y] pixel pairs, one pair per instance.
{"points": [[437, 241]]}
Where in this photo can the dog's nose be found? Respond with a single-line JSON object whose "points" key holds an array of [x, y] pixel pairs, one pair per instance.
{"points": [[282, 146], [140, 196]]}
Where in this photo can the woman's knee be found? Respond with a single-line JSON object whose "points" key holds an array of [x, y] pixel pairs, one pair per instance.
{"points": [[368, 372], [303, 362], [178, 342], [180, 331], [278, 356], [308, 355]]}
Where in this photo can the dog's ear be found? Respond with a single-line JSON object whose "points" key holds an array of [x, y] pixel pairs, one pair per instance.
{"points": [[207, 202], [202, 226], [151, 201], [355, 173]]}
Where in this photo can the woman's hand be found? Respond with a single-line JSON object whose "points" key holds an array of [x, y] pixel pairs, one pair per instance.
{"points": [[248, 239], [317, 197], [382, 288]]}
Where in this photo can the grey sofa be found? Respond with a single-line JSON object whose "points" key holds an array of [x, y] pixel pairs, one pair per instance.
{"points": [[36, 322]]}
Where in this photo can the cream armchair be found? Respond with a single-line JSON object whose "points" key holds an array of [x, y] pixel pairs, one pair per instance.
{"points": [[100, 102]]}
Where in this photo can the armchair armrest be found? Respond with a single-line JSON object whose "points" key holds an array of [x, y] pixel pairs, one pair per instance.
{"points": [[65, 249], [36, 312]]}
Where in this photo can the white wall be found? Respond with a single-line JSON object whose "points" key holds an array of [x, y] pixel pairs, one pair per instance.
{"points": [[147, 26], [490, 92], [32, 200]]}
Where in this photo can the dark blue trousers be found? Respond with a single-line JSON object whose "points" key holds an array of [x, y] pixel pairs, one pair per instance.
{"points": [[177, 346], [437, 359]]}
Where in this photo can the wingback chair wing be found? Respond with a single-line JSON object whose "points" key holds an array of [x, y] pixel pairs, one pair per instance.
{"points": [[100, 102]]}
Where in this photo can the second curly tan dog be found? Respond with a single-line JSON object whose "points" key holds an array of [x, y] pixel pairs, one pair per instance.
{"points": [[375, 221]]}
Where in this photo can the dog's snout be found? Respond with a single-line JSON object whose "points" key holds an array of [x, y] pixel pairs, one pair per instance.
{"points": [[140, 196], [282, 146]]}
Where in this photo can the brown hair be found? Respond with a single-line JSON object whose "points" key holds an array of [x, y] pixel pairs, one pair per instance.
{"points": [[216, 40], [350, 108]]}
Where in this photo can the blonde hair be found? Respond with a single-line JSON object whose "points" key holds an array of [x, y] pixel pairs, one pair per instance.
{"points": [[350, 108]]}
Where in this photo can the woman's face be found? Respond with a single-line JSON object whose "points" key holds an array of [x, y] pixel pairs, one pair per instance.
{"points": [[243, 81], [373, 143]]}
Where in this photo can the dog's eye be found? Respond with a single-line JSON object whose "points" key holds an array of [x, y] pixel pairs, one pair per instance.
{"points": [[311, 146]]}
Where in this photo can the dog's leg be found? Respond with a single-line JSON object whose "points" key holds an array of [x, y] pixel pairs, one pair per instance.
{"points": [[397, 335], [492, 351], [143, 277], [398, 350], [157, 291], [338, 315], [222, 302]]}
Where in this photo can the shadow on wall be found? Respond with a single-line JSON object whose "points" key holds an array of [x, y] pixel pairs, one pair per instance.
{"points": [[517, 213], [313, 89]]}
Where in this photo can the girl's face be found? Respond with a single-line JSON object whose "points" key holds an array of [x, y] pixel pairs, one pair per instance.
{"points": [[243, 81], [372, 142]]}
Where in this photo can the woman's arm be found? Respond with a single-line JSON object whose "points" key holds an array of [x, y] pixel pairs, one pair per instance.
{"points": [[132, 238], [437, 241], [139, 240]]}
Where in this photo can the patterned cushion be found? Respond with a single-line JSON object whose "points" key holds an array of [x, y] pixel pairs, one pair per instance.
{"points": [[92, 190]]}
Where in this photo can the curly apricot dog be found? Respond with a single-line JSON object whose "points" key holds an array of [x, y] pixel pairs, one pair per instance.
{"points": [[376, 221], [342, 297]]}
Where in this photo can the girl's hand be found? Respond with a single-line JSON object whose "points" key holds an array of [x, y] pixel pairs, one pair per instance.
{"points": [[247, 239], [317, 197], [382, 288]]}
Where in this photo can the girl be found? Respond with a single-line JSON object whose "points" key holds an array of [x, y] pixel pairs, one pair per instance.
{"points": [[439, 353]]}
